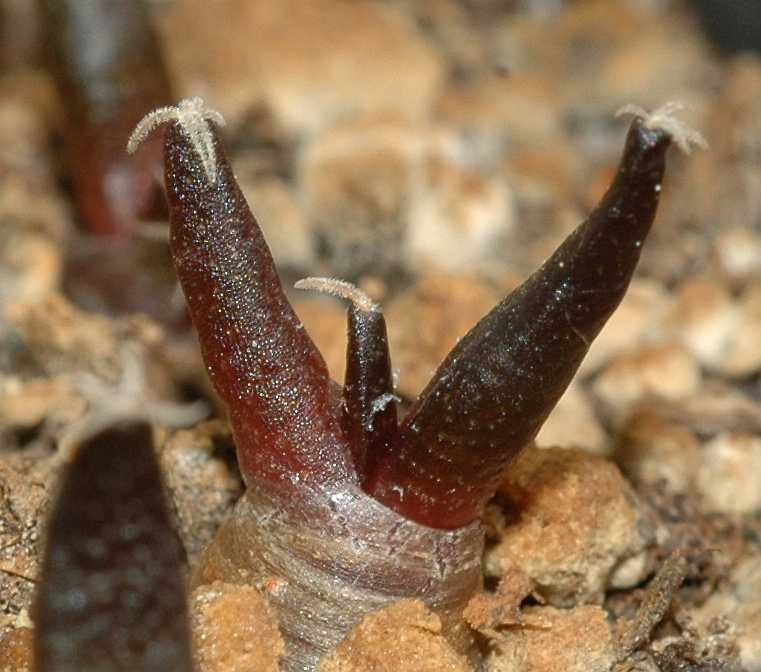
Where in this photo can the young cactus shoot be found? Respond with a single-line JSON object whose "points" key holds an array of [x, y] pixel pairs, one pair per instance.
{"points": [[320, 461]]}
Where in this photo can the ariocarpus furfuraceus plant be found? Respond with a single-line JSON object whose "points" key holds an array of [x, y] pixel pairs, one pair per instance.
{"points": [[346, 509]]}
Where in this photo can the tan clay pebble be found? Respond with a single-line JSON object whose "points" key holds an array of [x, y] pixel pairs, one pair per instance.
{"points": [[16, 651], [234, 630], [743, 356], [291, 67], [578, 528], [729, 478], [449, 305], [635, 322], [667, 371], [704, 317], [555, 640], [573, 422], [404, 637], [651, 449], [739, 603]]}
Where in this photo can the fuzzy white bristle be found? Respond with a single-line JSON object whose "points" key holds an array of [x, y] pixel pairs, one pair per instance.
{"points": [[193, 117], [683, 135], [341, 289]]}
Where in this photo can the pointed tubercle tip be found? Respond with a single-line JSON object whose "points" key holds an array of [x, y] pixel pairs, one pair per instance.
{"points": [[192, 115], [663, 118]]}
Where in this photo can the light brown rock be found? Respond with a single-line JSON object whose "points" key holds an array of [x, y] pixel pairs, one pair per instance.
{"points": [[523, 108], [200, 482], [634, 69], [555, 640], [729, 478], [69, 339], [31, 205], [654, 450], [743, 356], [739, 252], [704, 317], [234, 630], [16, 651], [310, 63], [573, 524], [25, 491], [283, 222], [738, 601], [488, 612], [666, 370], [357, 180], [635, 322], [573, 422], [26, 403], [325, 320], [459, 218], [447, 306], [30, 265], [405, 637]]}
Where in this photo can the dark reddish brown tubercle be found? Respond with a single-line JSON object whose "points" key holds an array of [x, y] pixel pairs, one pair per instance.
{"points": [[112, 595], [307, 452], [368, 420], [109, 69], [284, 409], [496, 388]]}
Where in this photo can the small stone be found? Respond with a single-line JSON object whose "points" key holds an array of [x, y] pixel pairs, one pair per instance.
{"points": [[743, 356], [405, 637], [573, 422], [573, 525], [26, 403], [31, 206], [358, 182], [633, 324], [738, 601], [666, 370], [653, 450], [523, 109], [68, 339], [311, 63], [555, 640], [30, 265], [729, 478], [704, 317], [739, 252], [16, 650], [634, 68], [487, 612], [25, 481], [458, 218], [234, 630], [282, 221], [201, 484], [450, 306]]}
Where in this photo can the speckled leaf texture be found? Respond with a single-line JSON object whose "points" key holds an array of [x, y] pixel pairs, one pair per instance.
{"points": [[112, 597]]}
